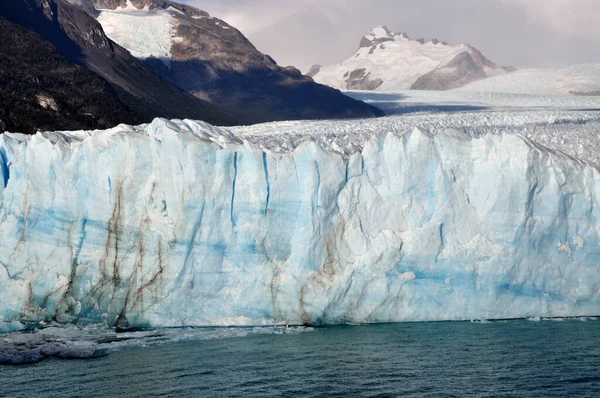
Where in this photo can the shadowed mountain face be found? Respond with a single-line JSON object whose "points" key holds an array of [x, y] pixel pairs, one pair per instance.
{"points": [[81, 40], [215, 62], [41, 90]]}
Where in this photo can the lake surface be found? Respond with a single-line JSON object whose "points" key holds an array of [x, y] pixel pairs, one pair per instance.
{"points": [[439, 359]]}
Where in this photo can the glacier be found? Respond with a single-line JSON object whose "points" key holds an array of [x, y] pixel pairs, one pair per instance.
{"points": [[180, 223]]}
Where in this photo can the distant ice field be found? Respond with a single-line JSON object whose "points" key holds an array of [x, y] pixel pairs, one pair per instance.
{"points": [[410, 101], [580, 79]]}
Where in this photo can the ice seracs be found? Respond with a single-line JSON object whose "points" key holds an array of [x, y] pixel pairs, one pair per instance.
{"points": [[388, 60], [179, 223]]}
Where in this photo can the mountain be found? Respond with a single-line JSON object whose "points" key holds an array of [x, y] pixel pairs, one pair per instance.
{"points": [[225, 92], [81, 40], [581, 80], [42, 90], [387, 60], [212, 60]]}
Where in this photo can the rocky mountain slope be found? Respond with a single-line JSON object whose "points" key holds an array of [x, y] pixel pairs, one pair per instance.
{"points": [[81, 40], [212, 60], [45, 91], [387, 60]]}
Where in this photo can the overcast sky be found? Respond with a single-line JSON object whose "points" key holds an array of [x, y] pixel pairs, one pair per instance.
{"points": [[522, 33]]}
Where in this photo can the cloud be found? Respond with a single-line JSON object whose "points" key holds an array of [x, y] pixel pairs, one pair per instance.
{"points": [[510, 32], [255, 15], [575, 18]]}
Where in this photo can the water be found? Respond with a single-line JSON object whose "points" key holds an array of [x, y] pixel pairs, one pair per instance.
{"points": [[446, 359]]}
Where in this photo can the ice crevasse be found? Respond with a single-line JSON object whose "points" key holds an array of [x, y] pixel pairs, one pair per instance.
{"points": [[179, 223]]}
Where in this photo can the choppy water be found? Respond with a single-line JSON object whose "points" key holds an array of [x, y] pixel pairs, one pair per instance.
{"points": [[453, 359]]}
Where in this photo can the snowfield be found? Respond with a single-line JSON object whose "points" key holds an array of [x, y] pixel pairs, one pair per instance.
{"points": [[543, 82], [432, 216], [143, 32]]}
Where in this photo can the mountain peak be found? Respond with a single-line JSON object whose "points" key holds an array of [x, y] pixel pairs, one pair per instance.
{"points": [[381, 31], [389, 60], [380, 34]]}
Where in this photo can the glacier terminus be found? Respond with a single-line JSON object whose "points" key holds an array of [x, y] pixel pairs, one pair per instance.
{"points": [[179, 223]]}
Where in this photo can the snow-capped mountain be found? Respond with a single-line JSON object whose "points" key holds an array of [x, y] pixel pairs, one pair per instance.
{"points": [[388, 60], [581, 80], [214, 61]]}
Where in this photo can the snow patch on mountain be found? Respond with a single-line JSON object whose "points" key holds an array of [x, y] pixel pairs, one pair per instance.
{"points": [[143, 32]]}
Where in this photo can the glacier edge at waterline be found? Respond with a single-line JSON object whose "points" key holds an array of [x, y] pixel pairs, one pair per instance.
{"points": [[178, 223]]}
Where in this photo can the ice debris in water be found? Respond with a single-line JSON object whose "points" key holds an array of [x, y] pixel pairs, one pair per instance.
{"points": [[70, 342]]}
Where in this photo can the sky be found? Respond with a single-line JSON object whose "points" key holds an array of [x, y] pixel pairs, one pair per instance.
{"points": [[521, 33]]}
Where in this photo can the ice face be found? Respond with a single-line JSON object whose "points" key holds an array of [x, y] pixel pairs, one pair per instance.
{"points": [[183, 224]]}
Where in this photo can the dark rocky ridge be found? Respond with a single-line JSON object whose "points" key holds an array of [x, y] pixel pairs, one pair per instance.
{"points": [[151, 4]]}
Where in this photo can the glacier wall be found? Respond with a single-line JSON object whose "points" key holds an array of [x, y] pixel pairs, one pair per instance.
{"points": [[180, 223]]}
